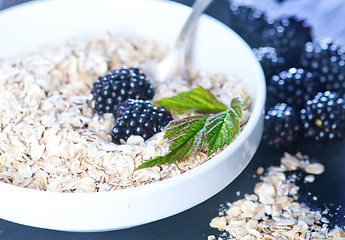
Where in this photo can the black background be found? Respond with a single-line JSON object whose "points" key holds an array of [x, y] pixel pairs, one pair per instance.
{"points": [[327, 191]]}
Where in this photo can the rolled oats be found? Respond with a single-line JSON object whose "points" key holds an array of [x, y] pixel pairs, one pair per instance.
{"points": [[315, 168], [260, 171], [309, 178], [50, 137]]}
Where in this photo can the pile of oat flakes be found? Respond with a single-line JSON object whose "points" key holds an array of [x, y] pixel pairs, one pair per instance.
{"points": [[273, 212], [50, 137]]}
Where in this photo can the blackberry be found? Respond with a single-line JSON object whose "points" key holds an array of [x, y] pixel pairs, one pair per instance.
{"points": [[326, 59], [270, 62], [138, 117], [282, 125], [293, 87], [119, 85], [288, 35], [323, 117], [248, 22]]}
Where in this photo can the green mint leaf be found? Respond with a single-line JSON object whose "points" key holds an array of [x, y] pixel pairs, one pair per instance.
{"points": [[198, 100], [188, 136], [185, 137], [221, 128], [236, 106], [245, 102]]}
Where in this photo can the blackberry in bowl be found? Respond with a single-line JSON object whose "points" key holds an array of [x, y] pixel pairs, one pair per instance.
{"points": [[118, 86], [138, 117]]}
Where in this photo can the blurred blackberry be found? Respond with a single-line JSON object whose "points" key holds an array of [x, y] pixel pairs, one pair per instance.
{"points": [[118, 86], [138, 117], [288, 35], [293, 87], [271, 63], [326, 60], [323, 117], [248, 22], [282, 125]]}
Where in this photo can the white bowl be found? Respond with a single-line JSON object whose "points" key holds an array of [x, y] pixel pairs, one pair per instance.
{"points": [[217, 49]]}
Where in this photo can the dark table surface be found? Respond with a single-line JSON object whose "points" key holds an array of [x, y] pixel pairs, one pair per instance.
{"points": [[328, 188]]}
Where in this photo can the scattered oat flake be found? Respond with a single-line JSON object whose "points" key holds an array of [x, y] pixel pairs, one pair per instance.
{"points": [[272, 211], [315, 168], [291, 162], [309, 178], [260, 170], [218, 222]]}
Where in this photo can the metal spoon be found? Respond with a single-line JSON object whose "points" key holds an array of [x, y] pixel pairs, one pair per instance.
{"points": [[175, 63]]}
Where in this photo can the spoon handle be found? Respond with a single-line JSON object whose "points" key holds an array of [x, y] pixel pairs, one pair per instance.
{"points": [[199, 7]]}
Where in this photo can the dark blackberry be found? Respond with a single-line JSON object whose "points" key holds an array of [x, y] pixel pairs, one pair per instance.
{"points": [[323, 117], [248, 22], [271, 63], [326, 60], [138, 117], [282, 125], [293, 87], [119, 85], [288, 35]]}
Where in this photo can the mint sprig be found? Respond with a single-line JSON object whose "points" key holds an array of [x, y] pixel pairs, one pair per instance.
{"points": [[185, 137], [221, 128], [214, 128], [198, 100]]}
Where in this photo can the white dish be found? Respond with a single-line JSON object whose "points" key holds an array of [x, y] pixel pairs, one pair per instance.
{"points": [[217, 49]]}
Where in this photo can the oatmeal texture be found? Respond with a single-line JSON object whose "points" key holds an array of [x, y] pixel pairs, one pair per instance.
{"points": [[273, 212], [51, 139]]}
